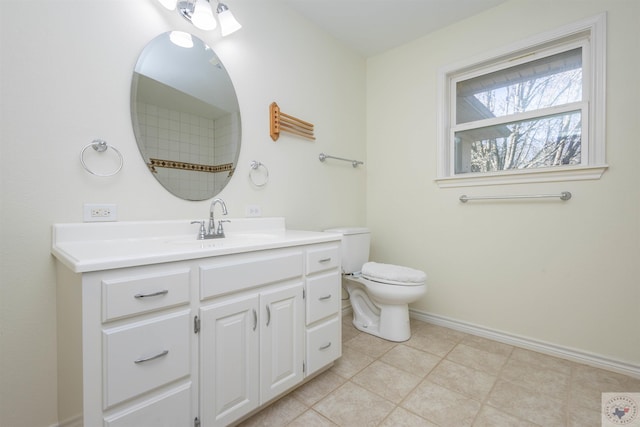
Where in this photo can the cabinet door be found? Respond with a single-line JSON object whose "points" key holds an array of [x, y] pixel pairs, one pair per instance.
{"points": [[229, 360], [282, 340]]}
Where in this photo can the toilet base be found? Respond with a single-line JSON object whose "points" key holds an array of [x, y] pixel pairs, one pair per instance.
{"points": [[389, 322], [394, 321]]}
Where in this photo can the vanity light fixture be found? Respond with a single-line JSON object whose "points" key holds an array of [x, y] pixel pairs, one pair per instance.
{"points": [[200, 14], [228, 22]]}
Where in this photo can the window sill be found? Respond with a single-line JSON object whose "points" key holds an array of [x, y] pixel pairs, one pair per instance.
{"points": [[522, 177]]}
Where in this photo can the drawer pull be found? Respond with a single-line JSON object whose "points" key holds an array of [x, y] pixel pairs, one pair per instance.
{"points": [[255, 319], [325, 297], [150, 358], [326, 346], [153, 294], [325, 259]]}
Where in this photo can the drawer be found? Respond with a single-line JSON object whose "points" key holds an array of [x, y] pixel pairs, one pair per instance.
{"points": [[322, 258], [324, 295], [170, 409], [144, 355], [137, 294], [237, 272], [324, 344]]}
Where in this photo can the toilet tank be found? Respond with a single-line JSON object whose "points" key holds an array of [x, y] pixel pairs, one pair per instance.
{"points": [[355, 247]]}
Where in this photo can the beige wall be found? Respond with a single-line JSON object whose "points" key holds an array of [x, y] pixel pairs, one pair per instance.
{"points": [[566, 274], [65, 80]]}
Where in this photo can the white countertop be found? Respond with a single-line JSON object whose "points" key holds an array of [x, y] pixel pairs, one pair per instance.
{"points": [[85, 247]]}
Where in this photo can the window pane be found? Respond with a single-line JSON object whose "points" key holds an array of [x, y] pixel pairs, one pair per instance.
{"points": [[546, 82], [537, 143]]}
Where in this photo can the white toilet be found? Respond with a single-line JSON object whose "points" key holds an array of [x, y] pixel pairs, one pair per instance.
{"points": [[379, 293]]}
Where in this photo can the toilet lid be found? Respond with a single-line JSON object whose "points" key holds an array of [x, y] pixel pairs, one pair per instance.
{"points": [[394, 273]]}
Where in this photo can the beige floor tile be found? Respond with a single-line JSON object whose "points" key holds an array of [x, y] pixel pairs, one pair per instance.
{"points": [[582, 417], [311, 418], [491, 417], [352, 405], [348, 330], [442, 377], [585, 397], [481, 360], [441, 332], [527, 404], [402, 418], [547, 381], [632, 385], [462, 379], [542, 360], [279, 413], [318, 388], [487, 345], [433, 344], [387, 381], [351, 362], [370, 345], [604, 381], [441, 406], [411, 360]]}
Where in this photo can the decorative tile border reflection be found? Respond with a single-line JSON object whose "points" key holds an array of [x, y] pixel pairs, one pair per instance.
{"points": [[172, 164]]}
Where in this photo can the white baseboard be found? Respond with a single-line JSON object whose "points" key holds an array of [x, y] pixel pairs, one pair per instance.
{"points": [[531, 344]]}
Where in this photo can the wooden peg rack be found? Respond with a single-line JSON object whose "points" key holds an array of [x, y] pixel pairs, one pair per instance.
{"points": [[281, 122]]}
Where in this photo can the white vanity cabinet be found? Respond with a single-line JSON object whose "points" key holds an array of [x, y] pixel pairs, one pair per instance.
{"points": [[252, 332], [137, 350], [203, 338], [323, 339]]}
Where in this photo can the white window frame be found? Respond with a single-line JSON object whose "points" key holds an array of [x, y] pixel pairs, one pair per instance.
{"points": [[590, 34]]}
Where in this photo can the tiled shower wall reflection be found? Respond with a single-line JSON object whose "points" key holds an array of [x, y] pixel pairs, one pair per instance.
{"points": [[179, 136]]}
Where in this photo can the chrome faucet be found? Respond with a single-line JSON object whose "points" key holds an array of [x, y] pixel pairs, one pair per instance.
{"points": [[212, 232]]}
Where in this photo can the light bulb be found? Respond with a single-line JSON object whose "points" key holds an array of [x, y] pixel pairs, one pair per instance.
{"points": [[169, 4], [180, 38], [228, 22], [202, 16]]}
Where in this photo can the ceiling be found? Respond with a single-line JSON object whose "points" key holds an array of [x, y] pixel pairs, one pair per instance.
{"points": [[371, 27]]}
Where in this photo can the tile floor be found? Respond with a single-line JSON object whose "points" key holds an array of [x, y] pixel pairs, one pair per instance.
{"points": [[443, 377]]}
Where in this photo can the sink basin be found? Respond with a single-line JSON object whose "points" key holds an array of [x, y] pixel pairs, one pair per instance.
{"points": [[251, 235], [195, 242], [230, 240]]}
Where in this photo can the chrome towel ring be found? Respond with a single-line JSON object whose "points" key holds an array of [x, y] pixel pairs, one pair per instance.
{"points": [[255, 165], [100, 146]]}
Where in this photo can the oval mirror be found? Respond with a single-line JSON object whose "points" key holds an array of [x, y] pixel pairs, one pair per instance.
{"points": [[185, 116]]}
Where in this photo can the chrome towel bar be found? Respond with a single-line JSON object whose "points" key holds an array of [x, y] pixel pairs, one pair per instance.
{"points": [[354, 163], [565, 195]]}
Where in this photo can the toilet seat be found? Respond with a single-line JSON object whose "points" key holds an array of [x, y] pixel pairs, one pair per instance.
{"points": [[394, 275]]}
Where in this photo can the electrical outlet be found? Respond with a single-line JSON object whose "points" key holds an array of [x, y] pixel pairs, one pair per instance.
{"points": [[100, 212], [253, 211]]}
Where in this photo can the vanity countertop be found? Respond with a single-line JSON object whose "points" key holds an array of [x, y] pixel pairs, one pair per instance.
{"points": [[85, 247]]}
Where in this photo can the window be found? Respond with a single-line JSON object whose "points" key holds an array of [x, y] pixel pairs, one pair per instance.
{"points": [[531, 113]]}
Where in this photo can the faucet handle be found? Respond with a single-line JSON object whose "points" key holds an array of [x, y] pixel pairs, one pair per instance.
{"points": [[220, 230], [202, 231]]}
